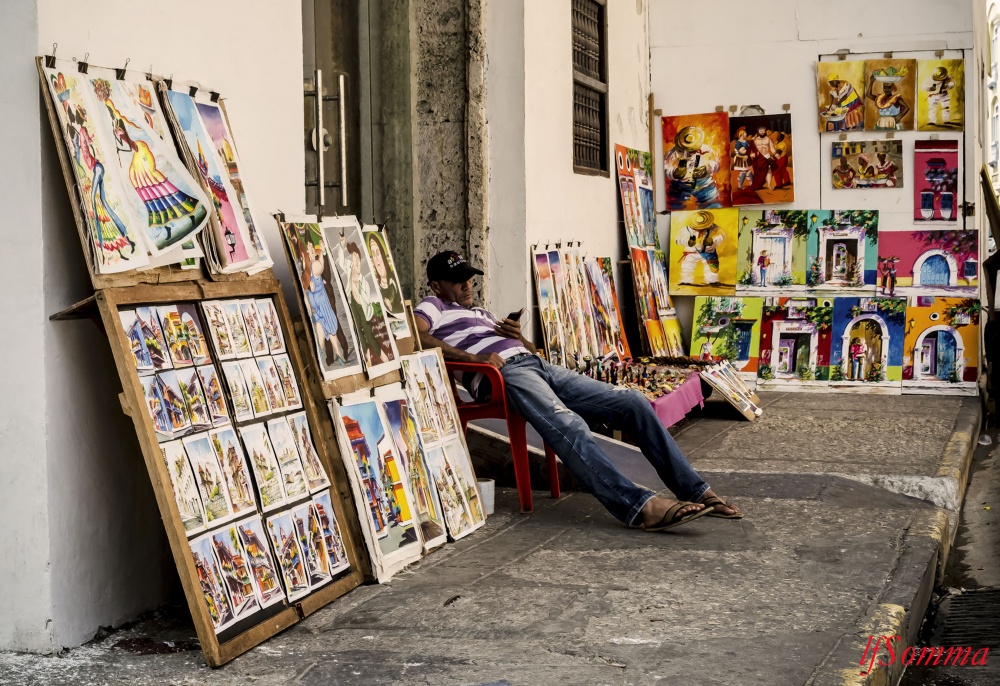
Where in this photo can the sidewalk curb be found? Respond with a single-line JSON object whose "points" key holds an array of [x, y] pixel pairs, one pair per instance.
{"points": [[898, 614]]}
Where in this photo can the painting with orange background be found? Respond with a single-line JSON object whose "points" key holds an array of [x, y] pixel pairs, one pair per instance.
{"points": [[696, 161]]}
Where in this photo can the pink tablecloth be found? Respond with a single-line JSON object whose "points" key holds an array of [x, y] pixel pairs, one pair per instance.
{"points": [[672, 407]]}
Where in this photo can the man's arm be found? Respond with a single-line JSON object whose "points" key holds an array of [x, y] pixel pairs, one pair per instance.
{"points": [[451, 352], [512, 329]]}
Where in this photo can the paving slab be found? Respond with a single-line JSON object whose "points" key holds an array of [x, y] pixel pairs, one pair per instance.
{"points": [[787, 595], [567, 595]]}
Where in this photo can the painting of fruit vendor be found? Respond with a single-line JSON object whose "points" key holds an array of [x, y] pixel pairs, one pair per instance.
{"points": [[889, 94]]}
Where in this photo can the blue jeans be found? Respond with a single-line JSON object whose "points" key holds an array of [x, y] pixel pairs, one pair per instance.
{"points": [[558, 402]]}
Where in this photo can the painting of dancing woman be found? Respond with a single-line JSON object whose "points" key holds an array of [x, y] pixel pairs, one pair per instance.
{"points": [[117, 247], [171, 204]]}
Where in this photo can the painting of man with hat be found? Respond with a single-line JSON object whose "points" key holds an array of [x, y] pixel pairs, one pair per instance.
{"points": [[696, 161], [941, 95], [703, 252]]}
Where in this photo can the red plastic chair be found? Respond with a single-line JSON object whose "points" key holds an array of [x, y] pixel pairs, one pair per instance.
{"points": [[498, 408]]}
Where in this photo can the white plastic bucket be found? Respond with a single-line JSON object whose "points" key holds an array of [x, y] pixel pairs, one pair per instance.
{"points": [[487, 489]]}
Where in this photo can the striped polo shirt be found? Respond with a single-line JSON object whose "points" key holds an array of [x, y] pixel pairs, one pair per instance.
{"points": [[470, 329]]}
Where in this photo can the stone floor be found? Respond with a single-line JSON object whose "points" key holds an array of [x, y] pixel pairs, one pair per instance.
{"points": [[567, 595]]}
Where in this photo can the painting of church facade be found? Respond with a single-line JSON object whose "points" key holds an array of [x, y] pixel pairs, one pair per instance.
{"points": [[795, 336], [941, 353], [772, 251], [842, 252], [867, 346], [928, 262]]}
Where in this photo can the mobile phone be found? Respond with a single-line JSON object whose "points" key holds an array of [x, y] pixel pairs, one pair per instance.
{"points": [[516, 315]]}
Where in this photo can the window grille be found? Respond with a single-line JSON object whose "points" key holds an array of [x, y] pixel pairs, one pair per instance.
{"points": [[590, 87]]}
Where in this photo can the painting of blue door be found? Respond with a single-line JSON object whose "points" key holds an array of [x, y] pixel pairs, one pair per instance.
{"points": [[744, 331], [946, 350], [935, 271]]}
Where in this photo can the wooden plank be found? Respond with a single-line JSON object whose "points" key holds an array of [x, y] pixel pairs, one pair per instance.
{"points": [[160, 479], [329, 453], [108, 303], [251, 638], [83, 309], [323, 597], [158, 275]]}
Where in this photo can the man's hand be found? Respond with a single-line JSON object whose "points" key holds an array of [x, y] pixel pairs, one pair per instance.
{"points": [[492, 359], [509, 328]]}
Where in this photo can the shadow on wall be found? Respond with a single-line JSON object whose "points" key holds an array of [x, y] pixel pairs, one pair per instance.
{"points": [[109, 555]]}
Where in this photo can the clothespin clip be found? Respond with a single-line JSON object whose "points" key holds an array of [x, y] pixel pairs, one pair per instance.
{"points": [[842, 137], [934, 136], [843, 53], [732, 109], [719, 108], [887, 55], [169, 82], [50, 60], [213, 96], [340, 400], [890, 134], [120, 73], [279, 216], [192, 91], [939, 53], [83, 66], [371, 392], [787, 107]]}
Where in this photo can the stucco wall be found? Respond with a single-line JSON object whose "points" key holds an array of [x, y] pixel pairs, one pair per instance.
{"points": [[23, 494], [83, 543], [766, 55], [558, 203]]}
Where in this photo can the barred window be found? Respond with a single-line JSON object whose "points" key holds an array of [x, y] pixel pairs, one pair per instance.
{"points": [[590, 87]]}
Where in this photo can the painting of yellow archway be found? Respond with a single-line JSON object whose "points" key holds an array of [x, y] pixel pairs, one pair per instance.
{"points": [[703, 252], [941, 95]]}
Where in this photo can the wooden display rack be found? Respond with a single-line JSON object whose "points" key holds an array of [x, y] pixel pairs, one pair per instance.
{"points": [[156, 275], [104, 306], [331, 390]]}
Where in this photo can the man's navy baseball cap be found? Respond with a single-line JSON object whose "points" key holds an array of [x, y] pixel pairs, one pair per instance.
{"points": [[450, 266]]}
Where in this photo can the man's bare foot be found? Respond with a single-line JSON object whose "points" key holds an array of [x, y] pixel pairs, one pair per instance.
{"points": [[656, 507], [726, 509]]}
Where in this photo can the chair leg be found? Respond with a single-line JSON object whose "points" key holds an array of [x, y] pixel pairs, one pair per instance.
{"points": [[553, 463], [519, 451]]}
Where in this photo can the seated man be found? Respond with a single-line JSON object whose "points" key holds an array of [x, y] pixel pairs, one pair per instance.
{"points": [[557, 402]]}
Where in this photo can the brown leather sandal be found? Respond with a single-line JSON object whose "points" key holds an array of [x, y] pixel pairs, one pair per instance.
{"points": [[671, 518], [710, 503]]}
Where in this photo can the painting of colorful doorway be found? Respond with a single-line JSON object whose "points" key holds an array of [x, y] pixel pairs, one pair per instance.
{"points": [[867, 345], [772, 251], [941, 348], [928, 262], [795, 336], [842, 251], [728, 329]]}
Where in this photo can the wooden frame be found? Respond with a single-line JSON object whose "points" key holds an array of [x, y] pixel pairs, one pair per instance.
{"points": [[108, 302], [157, 275]]}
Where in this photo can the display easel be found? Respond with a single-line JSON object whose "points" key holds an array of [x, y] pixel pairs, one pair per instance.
{"points": [[172, 285], [331, 390], [103, 306]]}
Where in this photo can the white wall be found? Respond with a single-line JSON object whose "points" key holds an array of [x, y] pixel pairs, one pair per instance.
{"points": [[766, 55], [507, 261], [82, 540], [23, 493], [558, 204]]}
